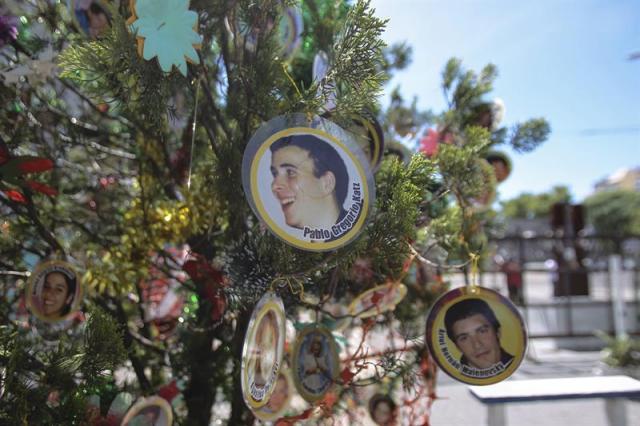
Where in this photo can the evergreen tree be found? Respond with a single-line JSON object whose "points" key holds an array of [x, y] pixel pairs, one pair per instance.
{"points": [[131, 170]]}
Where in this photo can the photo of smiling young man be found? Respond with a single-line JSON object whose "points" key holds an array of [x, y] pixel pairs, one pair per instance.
{"points": [[310, 181]]}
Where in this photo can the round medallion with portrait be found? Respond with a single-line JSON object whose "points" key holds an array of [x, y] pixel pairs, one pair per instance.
{"points": [[315, 362], [263, 350], [308, 181], [54, 291], [476, 335]]}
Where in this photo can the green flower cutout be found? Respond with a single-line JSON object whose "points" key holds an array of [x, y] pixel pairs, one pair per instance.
{"points": [[165, 30]]}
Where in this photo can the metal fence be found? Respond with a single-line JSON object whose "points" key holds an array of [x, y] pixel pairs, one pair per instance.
{"points": [[569, 287]]}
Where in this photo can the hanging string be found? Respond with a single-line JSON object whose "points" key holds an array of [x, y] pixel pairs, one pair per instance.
{"points": [[473, 283], [193, 133]]}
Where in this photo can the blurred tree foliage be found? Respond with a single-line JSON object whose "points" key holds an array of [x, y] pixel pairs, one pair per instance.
{"points": [[614, 213], [535, 206]]}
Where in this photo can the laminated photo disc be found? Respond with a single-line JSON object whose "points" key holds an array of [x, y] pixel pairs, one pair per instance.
{"points": [[320, 66], [290, 30], [397, 149], [54, 291], [383, 410], [370, 136], [308, 181], [263, 350], [153, 410], [501, 164], [90, 16], [377, 300], [315, 364], [476, 335], [279, 400]]}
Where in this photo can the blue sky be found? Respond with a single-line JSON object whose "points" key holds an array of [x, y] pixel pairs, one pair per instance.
{"points": [[565, 60]]}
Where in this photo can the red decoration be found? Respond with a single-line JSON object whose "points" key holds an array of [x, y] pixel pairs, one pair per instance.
{"points": [[169, 391], [12, 169], [211, 281], [429, 143]]}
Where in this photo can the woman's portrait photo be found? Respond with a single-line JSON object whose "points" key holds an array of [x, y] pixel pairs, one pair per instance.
{"points": [[263, 351], [152, 411], [476, 336], [91, 16], [309, 188], [315, 362], [54, 291]]}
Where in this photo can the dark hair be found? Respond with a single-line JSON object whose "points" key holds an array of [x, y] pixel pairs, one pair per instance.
{"points": [[465, 309], [325, 159], [71, 289], [95, 8], [494, 157]]}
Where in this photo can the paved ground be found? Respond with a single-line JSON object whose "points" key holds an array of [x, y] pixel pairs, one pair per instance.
{"points": [[457, 406]]}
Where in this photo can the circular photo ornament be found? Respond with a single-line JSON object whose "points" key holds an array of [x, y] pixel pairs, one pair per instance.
{"points": [[90, 16], [383, 410], [501, 164], [151, 411], [246, 34], [476, 335], [308, 181], [279, 400], [263, 350], [54, 291], [315, 362], [370, 137], [398, 150], [290, 30], [379, 299]]}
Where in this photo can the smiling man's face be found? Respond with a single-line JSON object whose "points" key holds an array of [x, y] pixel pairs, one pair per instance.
{"points": [[477, 340], [304, 198]]}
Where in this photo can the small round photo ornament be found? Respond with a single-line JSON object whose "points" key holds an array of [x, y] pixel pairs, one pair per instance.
{"points": [[315, 362], [151, 411], [90, 16], [279, 400], [370, 136], [377, 300], [476, 335], [383, 410], [54, 291], [263, 350], [309, 181]]}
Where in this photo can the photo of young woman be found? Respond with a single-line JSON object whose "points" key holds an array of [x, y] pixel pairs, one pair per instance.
{"points": [[53, 291]]}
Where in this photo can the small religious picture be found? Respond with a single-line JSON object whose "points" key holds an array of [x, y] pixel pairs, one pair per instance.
{"points": [[315, 362]]}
